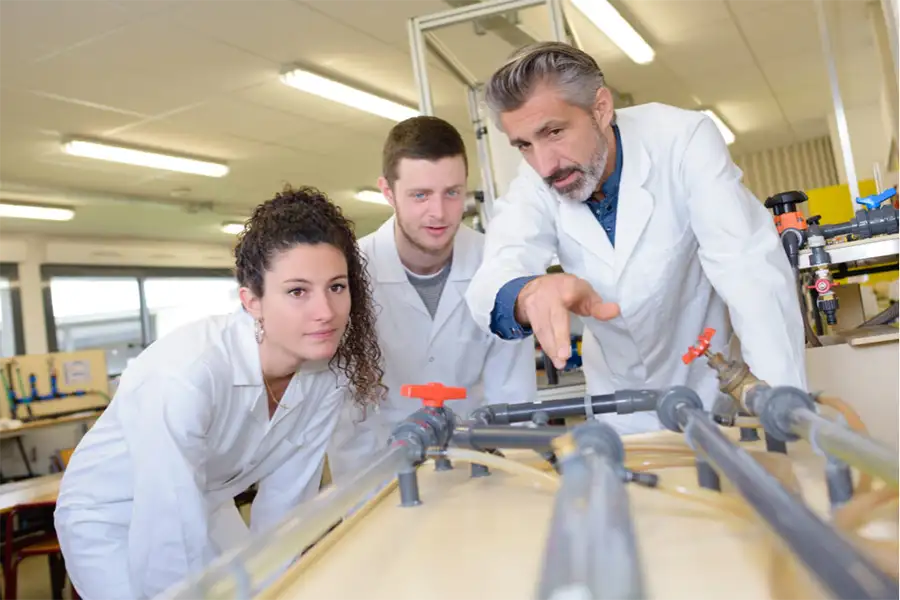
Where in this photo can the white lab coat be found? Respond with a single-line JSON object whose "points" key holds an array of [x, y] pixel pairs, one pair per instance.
{"points": [[148, 496], [692, 245], [449, 349]]}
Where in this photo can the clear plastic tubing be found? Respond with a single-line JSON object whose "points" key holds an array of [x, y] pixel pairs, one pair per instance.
{"points": [[242, 573], [841, 568], [591, 552], [842, 442]]}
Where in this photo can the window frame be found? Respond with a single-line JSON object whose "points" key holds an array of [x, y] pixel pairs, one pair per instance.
{"points": [[10, 271], [141, 274]]}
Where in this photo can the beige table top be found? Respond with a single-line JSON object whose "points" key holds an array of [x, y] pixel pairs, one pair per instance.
{"points": [[49, 422], [484, 538], [36, 489]]}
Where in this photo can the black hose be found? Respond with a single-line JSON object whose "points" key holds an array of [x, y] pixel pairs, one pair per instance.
{"points": [[884, 317]]}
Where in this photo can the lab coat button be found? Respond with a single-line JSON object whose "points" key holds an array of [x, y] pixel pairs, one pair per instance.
{"points": [[431, 359]]}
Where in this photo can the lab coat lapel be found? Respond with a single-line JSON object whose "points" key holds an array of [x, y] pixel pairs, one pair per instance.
{"points": [[635, 202], [244, 352], [579, 222], [465, 262], [389, 270]]}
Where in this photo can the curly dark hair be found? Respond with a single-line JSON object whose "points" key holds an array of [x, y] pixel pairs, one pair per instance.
{"points": [[305, 215]]}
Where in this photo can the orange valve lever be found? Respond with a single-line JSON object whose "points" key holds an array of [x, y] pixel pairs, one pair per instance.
{"points": [[433, 394], [702, 346]]}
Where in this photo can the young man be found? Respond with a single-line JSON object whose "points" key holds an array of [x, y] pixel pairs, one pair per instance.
{"points": [[656, 234], [420, 263]]}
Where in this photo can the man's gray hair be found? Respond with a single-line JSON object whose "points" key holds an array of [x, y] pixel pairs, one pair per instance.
{"points": [[573, 72]]}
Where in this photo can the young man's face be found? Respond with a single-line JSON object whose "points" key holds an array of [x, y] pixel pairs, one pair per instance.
{"points": [[429, 199]]}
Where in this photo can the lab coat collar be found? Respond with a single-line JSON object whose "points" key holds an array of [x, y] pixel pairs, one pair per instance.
{"points": [[247, 370], [635, 202], [389, 269]]}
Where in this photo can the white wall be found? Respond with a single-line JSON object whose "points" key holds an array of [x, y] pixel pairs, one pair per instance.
{"points": [[30, 252]]}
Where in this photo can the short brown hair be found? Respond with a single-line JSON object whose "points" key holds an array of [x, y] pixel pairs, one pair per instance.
{"points": [[423, 137]]}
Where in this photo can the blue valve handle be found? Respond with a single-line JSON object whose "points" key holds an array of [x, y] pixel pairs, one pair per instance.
{"points": [[873, 202]]}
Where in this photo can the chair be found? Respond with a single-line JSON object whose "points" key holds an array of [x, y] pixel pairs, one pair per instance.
{"points": [[19, 545]]}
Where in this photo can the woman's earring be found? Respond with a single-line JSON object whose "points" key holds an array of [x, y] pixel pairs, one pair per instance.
{"points": [[258, 331]]}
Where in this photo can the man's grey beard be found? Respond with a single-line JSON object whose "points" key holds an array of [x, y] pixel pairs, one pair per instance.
{"points": [[591, 174]]}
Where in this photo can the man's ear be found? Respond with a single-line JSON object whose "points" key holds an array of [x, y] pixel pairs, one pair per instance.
{"points": [[603, 108], [250, 302], [386, 190]]}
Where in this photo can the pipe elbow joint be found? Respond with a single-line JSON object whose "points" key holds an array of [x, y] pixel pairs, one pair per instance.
{"points": [[775, 406], [671, 401], [601, 439]]}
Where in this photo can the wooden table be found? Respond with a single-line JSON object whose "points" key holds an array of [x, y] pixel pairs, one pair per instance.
{"points": [[485, 538], [36, 489], [44, 423]]}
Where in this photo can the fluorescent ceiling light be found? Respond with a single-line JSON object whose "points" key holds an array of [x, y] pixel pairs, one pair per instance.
{"points": [[371, 196], [144, 158], [346, 95], [232, 228], [34, 211], [620, 32], [720, 125]]}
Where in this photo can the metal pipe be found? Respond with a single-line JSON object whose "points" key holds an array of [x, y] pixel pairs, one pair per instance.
{"points": [[486, 437], [248, 569], [557, 21], [591, 550], [845, 444], [840, 116], [489, 189], [417, 51], [835, 562], [443, 54], [473, 11]]}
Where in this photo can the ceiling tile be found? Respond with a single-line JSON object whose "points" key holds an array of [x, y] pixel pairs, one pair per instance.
{"points": [[673, 21], [130, 69], [31, 30]]}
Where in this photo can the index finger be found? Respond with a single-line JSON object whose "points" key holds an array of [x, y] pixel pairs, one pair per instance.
{"points": [[559, 322]]}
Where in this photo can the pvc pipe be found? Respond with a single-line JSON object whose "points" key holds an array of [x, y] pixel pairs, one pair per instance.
{"points": [[834, 561], [486, 437], [249, 568], [841, 442], [591, 550], [622, 402]]}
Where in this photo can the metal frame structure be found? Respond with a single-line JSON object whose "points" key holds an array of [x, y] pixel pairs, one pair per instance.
{"points": [[422, 39]]}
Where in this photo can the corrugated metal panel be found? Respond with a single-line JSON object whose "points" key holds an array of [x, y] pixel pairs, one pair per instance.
{"points": [[802, 166]]}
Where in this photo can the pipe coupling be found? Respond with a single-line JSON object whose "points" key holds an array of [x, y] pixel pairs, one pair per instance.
{"points": [[673, 399]]}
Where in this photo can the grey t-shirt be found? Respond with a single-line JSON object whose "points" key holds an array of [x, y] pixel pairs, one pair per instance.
{"points": [[430, 287]]}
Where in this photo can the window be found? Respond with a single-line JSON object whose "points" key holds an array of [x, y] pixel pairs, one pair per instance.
{"points": [[173, 302], [12, 340], [124, 310]]}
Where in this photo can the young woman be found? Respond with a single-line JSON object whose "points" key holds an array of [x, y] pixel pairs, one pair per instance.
{"points": [[221, 404]]}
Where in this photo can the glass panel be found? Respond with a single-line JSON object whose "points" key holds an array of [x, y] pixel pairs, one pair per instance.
{"points": [[173, 302], [98, 312], [7, 322]]}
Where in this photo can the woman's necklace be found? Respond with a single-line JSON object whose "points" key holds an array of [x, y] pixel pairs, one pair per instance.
{"points": [[271, 393]]}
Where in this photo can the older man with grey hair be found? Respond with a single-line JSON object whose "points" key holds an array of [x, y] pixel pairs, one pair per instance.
{"points": [[657, 237]]}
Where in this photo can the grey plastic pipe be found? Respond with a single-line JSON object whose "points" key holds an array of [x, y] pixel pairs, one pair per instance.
{"points": [[591, 552], [249, 569], [834, 561], [842, 442]]}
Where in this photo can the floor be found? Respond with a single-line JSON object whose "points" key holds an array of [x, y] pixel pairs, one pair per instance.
{"points": [[34, 579]]}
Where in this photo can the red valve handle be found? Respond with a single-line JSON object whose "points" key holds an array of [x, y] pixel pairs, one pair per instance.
{"points": [[433, 394], [702, 346]]}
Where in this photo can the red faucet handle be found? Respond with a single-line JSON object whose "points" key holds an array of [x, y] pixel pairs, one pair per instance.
{"points": [[702, 346], [433, 394]]}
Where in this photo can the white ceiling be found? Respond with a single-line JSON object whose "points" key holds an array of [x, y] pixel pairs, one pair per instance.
{"points": [[201, 77]]}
